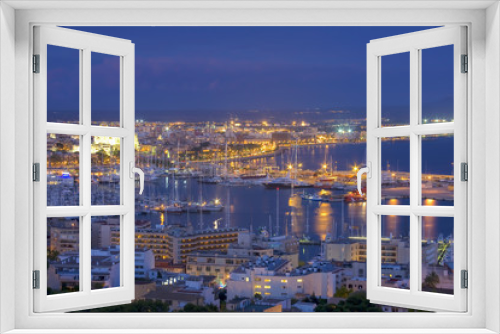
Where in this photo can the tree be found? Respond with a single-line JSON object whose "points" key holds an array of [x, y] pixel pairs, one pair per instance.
{"points": [[222, 295], [356, 302], [52, 256], [313, 299], [257, 296], [197, 308], [326, 308], [431, 281], [343, 292], [147, 305]]}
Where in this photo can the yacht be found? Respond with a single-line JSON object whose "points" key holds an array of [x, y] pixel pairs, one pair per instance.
{"points": [[286, 182]]}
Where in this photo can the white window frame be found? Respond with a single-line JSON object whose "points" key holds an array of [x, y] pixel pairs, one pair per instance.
{"points": [[414, 44], [86, 44], [483, 21]]}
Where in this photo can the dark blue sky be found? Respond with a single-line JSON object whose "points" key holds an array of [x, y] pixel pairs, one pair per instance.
{"points": [[208, 72]]}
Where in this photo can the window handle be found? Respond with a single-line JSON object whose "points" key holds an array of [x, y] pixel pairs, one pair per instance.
{"points": [[368, 171], [139, 171]]}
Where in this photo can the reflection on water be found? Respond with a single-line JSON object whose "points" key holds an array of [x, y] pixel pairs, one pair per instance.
{"points": [[256, 207], [395, 226], [323, 221]]}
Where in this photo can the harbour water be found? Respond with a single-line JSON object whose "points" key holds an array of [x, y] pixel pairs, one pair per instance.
{"points": [[283, 211]]}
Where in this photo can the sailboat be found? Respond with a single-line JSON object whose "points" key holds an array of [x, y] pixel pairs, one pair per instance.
{"points": [[286, 182]]}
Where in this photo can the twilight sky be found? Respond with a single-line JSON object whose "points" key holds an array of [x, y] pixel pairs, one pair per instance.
{"points": [[206, 73]]}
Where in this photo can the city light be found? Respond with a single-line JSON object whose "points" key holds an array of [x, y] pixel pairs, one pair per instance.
{"points": [[197, 178]]}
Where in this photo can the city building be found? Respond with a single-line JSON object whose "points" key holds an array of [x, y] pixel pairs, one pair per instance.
{"points": [[284, 243], [176, 243], [64, 272], [101, 231], [393, 250], [238, 304], [275, 278], [217, 264], [144, 263], [63, 234], [304, 306], [196, 290]]}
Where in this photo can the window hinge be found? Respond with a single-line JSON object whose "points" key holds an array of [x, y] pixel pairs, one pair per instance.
{"points": [[36, 172], [465, 64], [465, 279], [36, 63], [36, 279], [464, 171]]}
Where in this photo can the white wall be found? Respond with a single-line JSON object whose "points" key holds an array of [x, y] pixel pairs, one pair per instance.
{"points": [[254, 16], [7, 158], [492, 150]]}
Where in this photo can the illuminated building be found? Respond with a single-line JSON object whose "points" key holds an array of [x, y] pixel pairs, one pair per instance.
{"points": [[393, 251], [214, 263], [176, 243], [274, 278]]}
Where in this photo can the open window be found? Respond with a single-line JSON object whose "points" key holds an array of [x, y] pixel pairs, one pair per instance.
{"points": [[432, 259], [85, 193], [69, 154]]}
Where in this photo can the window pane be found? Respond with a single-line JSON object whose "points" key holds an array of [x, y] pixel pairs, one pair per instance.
{"points": [[437, 170], [63, 84], [105, 89], [63, 170], [437, 84], [395, 167], [395, 251], [395, 89], [437, 254], [105, 252], [63, 255], [105, 170]]}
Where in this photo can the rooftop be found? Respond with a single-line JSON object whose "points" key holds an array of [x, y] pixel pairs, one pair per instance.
{"points": [[180, 232], [270, 263]]}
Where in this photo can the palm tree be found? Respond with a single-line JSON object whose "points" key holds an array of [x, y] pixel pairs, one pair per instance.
{"points": [[431, 281]]}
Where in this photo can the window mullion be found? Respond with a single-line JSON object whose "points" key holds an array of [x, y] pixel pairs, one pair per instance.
{"points": [[414, 168], [86, 172]]}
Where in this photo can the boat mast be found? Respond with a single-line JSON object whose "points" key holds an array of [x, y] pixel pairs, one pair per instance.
{"points": [[200, 205], [270, 226], [225, 157], [277, 211], [307, 219], [228, 207], [342, 218]]}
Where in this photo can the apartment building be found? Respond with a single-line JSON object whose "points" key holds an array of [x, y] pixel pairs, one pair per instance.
{"points": [[275, 278], [64, 273], [175, 243], [217, 264], [101, 231], [190, 290], [144, 263], [393, 251], [63, 234]]}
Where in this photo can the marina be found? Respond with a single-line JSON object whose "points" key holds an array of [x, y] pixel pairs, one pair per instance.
{"points": [[290, 193]]}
